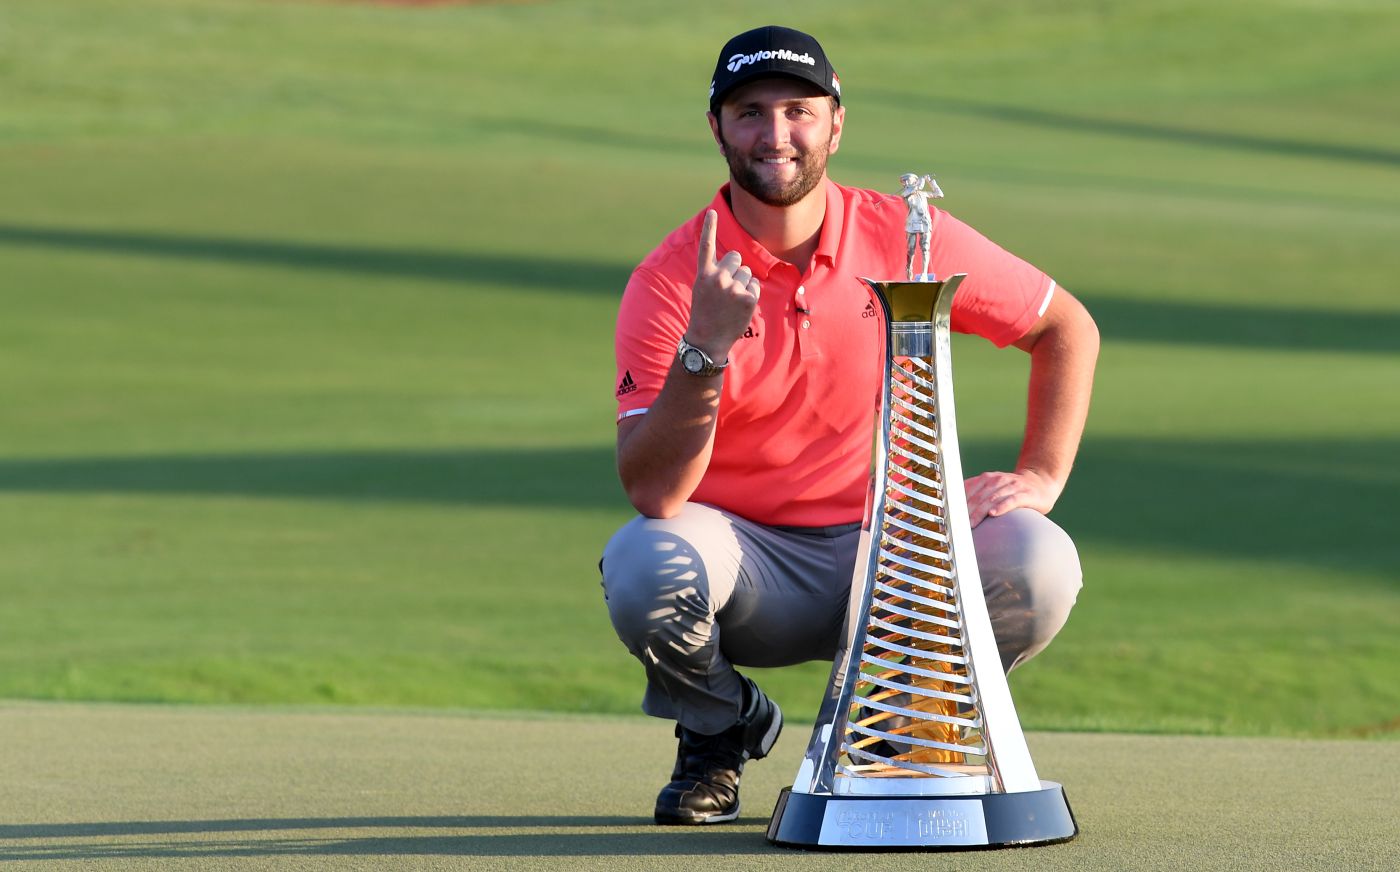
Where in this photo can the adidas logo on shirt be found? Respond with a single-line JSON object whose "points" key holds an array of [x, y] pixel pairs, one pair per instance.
{"points": [[627, 386], [869, 309]]}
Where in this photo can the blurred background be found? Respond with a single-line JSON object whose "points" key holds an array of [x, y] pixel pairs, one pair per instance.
{"points": [[307, 336]]}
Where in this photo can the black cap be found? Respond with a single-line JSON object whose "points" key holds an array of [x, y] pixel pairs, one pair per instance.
{"points": [[772, 51]]}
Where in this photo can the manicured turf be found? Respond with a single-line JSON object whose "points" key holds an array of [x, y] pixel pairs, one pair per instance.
{"points": [[148, 787], [307, 315]]}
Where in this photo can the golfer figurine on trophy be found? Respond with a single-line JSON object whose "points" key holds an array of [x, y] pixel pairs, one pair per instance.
{"points": [[919, 226]]}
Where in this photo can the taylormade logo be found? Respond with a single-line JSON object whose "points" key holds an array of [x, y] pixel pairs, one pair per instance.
{"points": [[738, 61]]}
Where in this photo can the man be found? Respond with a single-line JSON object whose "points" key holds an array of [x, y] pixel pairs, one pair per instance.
{"points": [[748, 378]]}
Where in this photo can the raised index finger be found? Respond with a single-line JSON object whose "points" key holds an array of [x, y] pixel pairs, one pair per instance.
{"points": [[707, 240]]}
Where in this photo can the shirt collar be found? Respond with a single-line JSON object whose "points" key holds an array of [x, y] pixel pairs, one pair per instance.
{"points": [[832, 224], [729, 236]]}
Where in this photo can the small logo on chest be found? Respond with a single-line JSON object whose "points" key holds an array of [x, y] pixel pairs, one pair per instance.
{"points": [[869, 311]]}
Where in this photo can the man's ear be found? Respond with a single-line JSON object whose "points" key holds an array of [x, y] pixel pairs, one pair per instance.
{"points": [[715, 131], [838, 120]]}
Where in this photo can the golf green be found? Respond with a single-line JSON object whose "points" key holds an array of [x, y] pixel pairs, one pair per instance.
{"points": [[114, 787]]}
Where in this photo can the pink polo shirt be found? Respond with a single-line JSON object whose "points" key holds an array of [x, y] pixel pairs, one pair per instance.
{"points": [[797, 410]]}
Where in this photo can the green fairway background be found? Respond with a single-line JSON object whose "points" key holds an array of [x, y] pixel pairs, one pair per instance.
{"points": [[307, 311]]}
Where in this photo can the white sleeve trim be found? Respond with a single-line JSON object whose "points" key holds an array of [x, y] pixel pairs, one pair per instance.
{"points": [[631, 413], [1045, 303]]}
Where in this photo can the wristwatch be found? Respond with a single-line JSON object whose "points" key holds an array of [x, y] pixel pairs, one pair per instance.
{"points": [[697, 362]]}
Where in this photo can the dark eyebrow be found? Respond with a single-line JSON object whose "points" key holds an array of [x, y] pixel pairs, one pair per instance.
{"points": [[781, 104]]}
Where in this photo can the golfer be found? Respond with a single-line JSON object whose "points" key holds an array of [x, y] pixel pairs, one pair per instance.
{"points": [[748, 375], [918, 227]]}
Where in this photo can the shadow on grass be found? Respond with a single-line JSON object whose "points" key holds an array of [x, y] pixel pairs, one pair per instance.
{"points": [[1141, 130], [239, 825], [534, 273], [1157, 321], [537, 836], [578, 477], [1246, 327], [1324, 502]]}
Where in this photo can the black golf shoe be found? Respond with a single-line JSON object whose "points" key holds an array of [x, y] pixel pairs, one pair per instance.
{"points": [[704, 786]]}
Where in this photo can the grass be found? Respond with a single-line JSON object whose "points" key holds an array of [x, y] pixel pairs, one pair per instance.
{"points": [[169, 787], [308, 312]]}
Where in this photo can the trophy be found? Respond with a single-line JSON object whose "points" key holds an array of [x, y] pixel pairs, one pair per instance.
{"points": [[923, 749]]}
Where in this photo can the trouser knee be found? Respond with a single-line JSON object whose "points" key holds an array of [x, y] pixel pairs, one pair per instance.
{"points": [[1031, 576], [654, 583]]}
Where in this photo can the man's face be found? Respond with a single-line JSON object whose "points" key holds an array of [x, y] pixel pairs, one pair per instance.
{"points": [[776, 135]]}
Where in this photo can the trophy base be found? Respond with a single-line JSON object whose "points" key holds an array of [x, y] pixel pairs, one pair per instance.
{"points": [[922, 823]]}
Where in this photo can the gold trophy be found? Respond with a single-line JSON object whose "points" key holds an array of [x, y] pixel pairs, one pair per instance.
{"points": [[924, 749]]}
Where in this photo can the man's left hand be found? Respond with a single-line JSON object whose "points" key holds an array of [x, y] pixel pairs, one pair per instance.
{"points": [[996, 493]]}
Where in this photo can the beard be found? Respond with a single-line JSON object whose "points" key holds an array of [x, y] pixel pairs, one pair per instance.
{"points": [[745, 169]]}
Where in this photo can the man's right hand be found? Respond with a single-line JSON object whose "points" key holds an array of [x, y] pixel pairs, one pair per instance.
{"points": [[722, 299]]}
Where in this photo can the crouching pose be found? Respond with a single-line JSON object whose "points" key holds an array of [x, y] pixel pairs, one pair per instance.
{"points": [[748, 375]]}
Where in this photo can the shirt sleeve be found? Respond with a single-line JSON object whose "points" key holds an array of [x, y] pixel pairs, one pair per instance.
{"points": [[650, 320], [1002, 297]]}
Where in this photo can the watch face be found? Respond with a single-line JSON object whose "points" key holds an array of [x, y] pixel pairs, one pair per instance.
{"points": [[693, 360]]}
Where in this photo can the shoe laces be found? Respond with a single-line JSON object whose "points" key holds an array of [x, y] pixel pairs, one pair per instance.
{"points": [[700, 754]]}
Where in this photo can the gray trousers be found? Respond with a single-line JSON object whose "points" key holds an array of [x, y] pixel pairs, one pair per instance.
{"points": [[696, 595]]}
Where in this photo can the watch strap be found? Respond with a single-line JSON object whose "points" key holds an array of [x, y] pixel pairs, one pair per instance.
{"points": [[708, 368]]}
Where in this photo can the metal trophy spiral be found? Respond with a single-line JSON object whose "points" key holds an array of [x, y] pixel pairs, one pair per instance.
{"points": [[924, 750]]}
